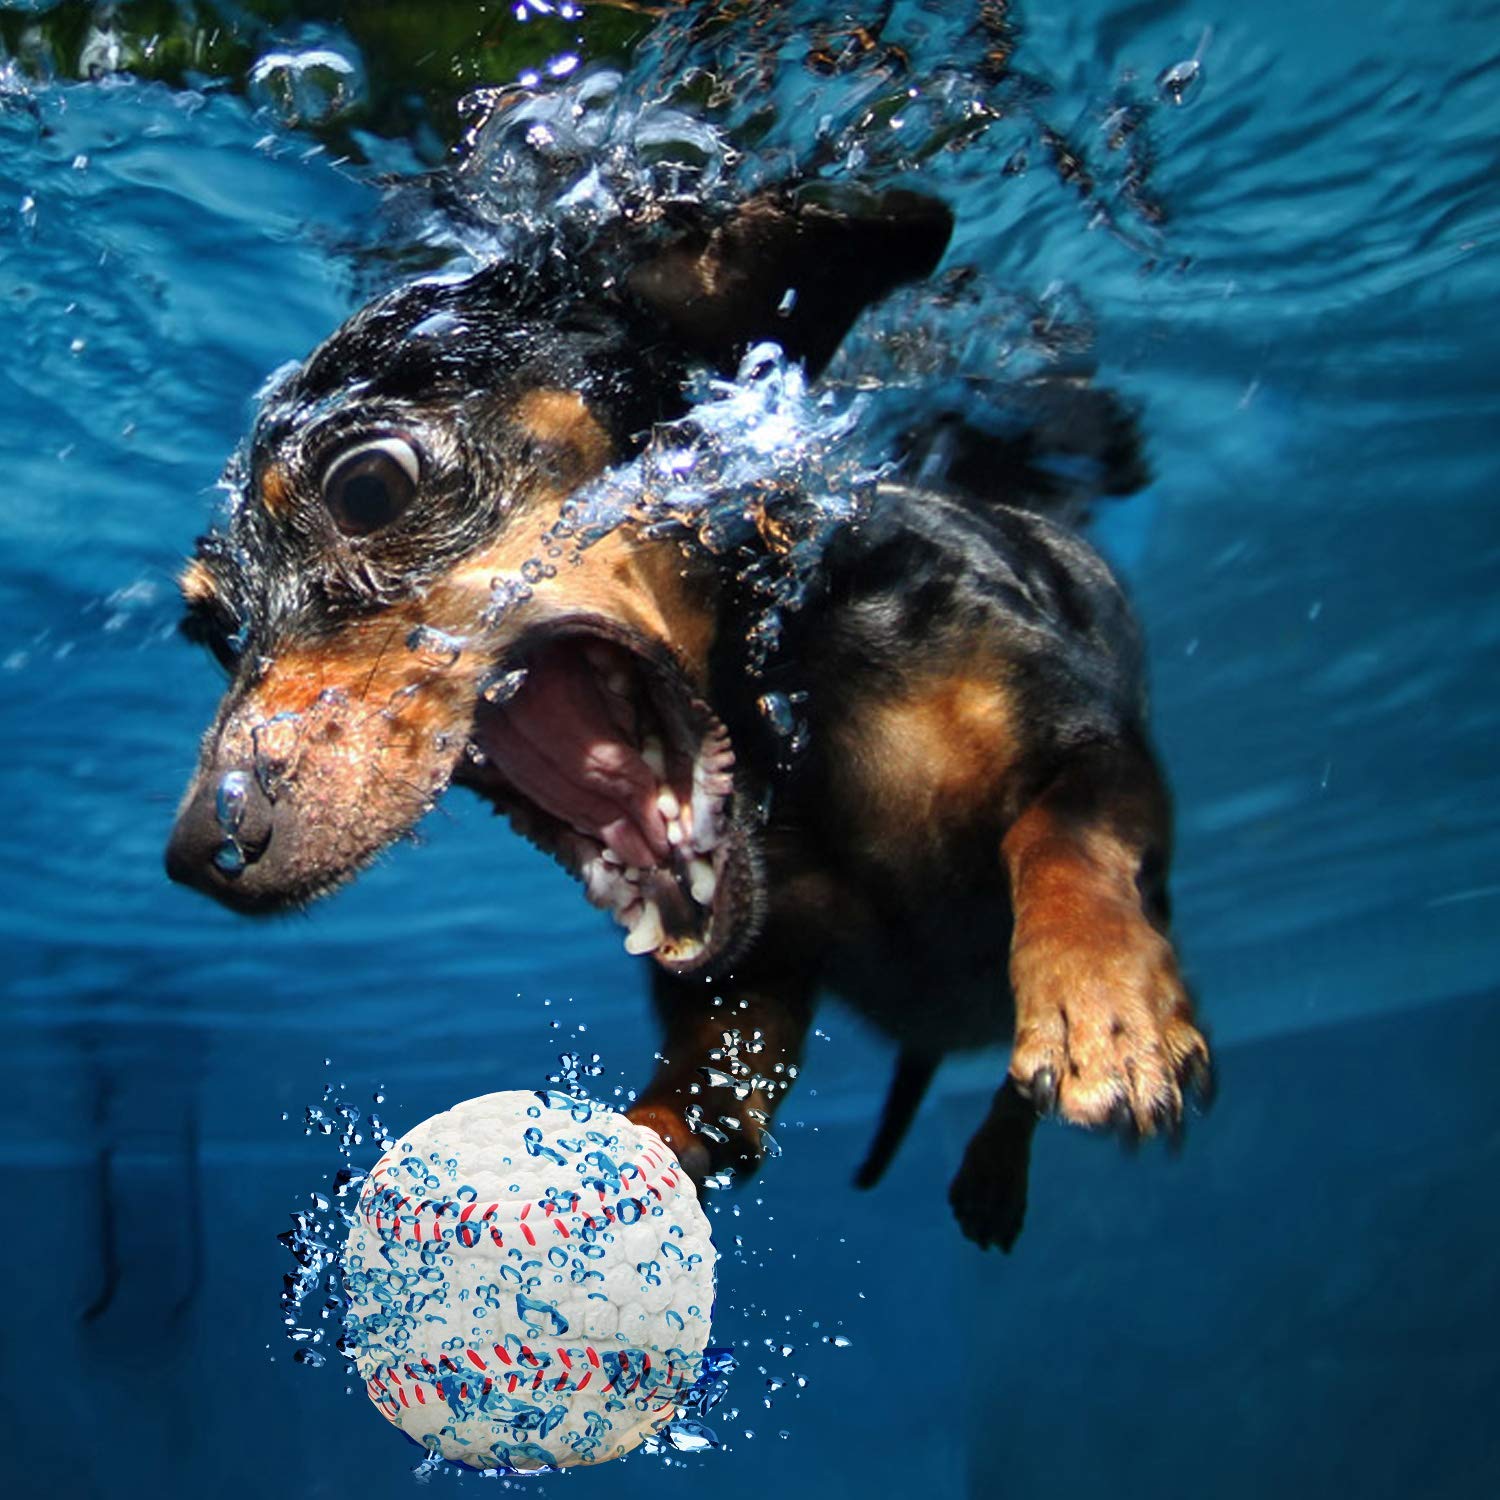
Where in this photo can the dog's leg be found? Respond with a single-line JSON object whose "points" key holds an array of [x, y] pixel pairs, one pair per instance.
{"points": [[728, 1057], [1104, 1024], [989, 1193]]}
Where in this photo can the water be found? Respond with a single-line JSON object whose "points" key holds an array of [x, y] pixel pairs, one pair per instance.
{"points": [[1275, 230]]}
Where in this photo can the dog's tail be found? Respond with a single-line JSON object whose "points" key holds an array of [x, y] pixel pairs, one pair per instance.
{"points": [[913, 1073], [1053, 444]]}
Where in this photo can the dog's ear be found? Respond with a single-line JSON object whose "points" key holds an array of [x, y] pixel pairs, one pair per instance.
{"points": [[796, 268]]}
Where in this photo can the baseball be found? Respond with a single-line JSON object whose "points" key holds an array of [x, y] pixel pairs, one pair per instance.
{"points": [[530, 1280]]}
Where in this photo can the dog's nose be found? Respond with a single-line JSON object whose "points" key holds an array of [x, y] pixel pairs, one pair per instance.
{"points": [[223, 831]]}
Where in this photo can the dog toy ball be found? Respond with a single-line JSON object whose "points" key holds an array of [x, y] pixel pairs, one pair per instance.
{"points": [[530, 1280]]}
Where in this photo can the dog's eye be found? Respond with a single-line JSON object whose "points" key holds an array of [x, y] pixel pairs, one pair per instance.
{"points": [[369, 486]]}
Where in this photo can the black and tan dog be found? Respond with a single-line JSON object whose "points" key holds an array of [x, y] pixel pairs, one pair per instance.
{"points": [[976, 799]]}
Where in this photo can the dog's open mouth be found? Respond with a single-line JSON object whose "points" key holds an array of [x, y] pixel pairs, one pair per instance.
{"points": [[598, 752]]}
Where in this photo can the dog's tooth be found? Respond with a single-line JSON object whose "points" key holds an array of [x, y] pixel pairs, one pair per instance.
{"points": [[667, 803], [684, 949], [655, 756], [702, 882], [675, 832], [598, 883], [646, 934], [610, 857], [703, 818]]}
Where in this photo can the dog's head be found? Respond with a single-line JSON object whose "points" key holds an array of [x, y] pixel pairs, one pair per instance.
{"points": [[399, 608]]}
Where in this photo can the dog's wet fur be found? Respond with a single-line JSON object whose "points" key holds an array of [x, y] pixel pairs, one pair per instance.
{"points": [[974, 841]]}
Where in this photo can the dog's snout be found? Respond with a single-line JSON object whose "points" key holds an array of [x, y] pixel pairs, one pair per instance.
{"points": [[223, 831]]}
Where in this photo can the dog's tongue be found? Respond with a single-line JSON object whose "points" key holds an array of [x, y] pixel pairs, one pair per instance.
{"points": [[557, 742]]}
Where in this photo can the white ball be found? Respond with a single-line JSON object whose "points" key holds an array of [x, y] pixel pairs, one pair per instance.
{"points": [[530, 1280]]}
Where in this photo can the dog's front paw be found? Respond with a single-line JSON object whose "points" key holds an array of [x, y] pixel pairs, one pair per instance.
{"points": [[705, 1142], [667, 1121], [1104, 1024]]}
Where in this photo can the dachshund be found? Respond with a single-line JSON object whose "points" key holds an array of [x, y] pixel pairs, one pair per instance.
{"points": [[972, 840]]}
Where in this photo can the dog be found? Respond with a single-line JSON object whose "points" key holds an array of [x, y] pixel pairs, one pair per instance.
{"points": [[972, 844]]}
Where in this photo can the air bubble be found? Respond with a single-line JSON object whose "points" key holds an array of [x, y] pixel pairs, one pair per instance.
{"points": [[229, 858], [688, 1436], [504, 686], [311, 87], [776, 710], [1179, 84], [229, 800], [434, 645], [507, 592]]}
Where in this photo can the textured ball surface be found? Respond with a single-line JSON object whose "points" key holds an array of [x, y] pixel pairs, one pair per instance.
{"points": [[530, 1280]]}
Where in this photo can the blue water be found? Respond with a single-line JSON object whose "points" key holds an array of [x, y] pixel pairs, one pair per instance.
{"points": [[1306, 1301]]}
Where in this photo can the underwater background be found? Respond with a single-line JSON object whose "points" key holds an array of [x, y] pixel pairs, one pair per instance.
{"points": [[1272, 228]]}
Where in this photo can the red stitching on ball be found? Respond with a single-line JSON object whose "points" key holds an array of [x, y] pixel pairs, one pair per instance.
{"points": [[426, 1372], [391, 1212]]}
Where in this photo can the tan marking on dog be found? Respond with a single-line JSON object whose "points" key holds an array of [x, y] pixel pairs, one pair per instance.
{"points": [[196, 582], [275, 491], [646, 587], [369, 672], [354, 735], [561, 422], [927, 758]]}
